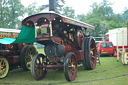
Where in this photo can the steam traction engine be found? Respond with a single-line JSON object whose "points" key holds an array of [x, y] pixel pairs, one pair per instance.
{"points": [[14, 55], [66, 44]]}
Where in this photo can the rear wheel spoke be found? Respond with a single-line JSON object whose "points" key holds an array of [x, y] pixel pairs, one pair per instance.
{"points": [[92, 62]]}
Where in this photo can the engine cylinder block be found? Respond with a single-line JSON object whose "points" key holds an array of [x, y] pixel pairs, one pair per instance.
{"points": [[54, 50]]}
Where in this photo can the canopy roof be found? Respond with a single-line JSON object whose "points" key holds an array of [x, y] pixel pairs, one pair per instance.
{"points": [[9, 30], [51, 15]]}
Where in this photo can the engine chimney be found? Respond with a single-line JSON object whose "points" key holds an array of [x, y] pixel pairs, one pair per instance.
{"points": [[51, 5]]}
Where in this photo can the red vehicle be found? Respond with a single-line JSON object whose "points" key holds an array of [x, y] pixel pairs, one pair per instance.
{"points": [[66, 44], [105, 48]]}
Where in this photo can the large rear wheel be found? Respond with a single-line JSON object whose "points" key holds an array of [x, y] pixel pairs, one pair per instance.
{"points": [[26, 56], [4, 67], [89, 47], [70, 66], [37, 70]]}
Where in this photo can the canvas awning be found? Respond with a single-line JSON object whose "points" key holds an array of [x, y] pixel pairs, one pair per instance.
{"points": [[27, 35]]}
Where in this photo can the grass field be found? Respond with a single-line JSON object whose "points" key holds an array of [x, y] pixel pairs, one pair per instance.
{"points": [[109, 72]]}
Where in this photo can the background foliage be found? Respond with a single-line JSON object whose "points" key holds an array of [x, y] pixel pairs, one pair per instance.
{"points": [[12, 12]]}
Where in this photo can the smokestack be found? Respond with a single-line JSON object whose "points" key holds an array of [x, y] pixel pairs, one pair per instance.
{"points": [[51, 5]]}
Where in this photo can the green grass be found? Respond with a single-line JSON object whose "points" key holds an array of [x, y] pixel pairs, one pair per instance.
{"points": [[109, 72]]}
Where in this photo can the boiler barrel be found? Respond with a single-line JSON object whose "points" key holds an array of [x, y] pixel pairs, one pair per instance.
{"points": [[54, 50]]}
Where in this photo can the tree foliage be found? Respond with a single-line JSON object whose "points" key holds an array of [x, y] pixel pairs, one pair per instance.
{"points": [[58, 6], [103, 18], [69, 12], [4, 11], [16, 9], [32, 9], [12, 12]]}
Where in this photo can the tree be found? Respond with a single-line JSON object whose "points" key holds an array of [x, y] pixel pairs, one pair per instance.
{"points": [[3, 13], [16, 10], [125, 14], [81, 17], [98, 17], [103, 18], [69, 12], [101, 27], [101, 11], [10, 10], [116, 21], [57, 5], [32, 9]]}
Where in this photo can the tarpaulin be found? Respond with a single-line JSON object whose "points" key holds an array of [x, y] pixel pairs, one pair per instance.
{"points": [[27, 35]]}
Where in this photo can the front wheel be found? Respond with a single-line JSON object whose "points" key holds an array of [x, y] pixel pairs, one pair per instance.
{"points": [[70, 66], [4, 67], [37, 69]]}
